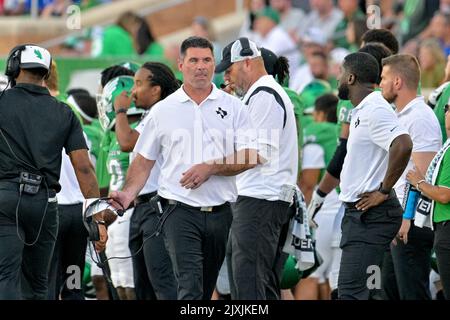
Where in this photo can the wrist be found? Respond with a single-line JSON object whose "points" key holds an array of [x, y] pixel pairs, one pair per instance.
{"points": [[121, 110], [384, 191], [321, 193], [418, 184]]}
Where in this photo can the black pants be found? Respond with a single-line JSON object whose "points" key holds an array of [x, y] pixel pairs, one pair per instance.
{"points": [[365, 238], [152, 268], [69, 255], [258, 233], [24, 269], [442, 249], [406, 267], [196, 242]]}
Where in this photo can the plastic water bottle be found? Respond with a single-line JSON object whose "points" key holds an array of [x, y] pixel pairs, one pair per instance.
{"points": [[412, 197]]}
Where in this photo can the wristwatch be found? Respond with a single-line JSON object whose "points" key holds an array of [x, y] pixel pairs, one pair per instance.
{"points": [[121, 110], [384, 191]]}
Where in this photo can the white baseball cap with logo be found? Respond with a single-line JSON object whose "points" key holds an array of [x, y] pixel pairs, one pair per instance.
{"points": [[35, 57]]}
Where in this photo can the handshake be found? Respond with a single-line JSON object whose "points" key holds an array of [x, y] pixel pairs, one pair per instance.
{"points": [[314, 206]]}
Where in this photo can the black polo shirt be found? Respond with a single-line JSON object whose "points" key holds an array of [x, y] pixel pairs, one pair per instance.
{"points": [[37, 127]]}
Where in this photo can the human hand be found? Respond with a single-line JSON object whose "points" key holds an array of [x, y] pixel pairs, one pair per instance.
{"points": [[123, 100], [414, 177], [120, 200], [370, 199], [403, 232], [196, 176], [313, 208], [100, 245]]}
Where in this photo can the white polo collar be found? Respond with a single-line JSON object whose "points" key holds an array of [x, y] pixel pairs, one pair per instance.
{"points": [[369, 96], [418, 99], [182, 96]]}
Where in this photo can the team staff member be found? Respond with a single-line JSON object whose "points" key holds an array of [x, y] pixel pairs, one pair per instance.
{"points": [[435, 185], [260, 218], [189, 130], [29, 144], [406, 268], [378, 151], [152, 269]]}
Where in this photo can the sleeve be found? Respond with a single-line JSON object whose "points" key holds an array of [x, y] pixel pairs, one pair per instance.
{"points": [[140, 127], [444, 174], [384, 126], [75, 139], [425, 136], [313, 157], [148, 144], [245, 132], [268, 119]]}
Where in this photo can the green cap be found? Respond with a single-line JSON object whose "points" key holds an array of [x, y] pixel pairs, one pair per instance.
{"points": [[269, 13]]}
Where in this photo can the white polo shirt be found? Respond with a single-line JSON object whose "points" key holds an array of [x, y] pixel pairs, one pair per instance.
{"points": [[279, 41], [276, 144], [70, 192], [151, 185], [185, 134], [373, 127], [423, 127]]}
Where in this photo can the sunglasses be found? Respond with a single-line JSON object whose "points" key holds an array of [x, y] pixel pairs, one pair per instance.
{"points": [[446, 108]]}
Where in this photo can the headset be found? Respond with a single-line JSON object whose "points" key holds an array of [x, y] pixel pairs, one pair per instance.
{"points": [[90, 224], [246, 50], [13, 63], [94, 234]]}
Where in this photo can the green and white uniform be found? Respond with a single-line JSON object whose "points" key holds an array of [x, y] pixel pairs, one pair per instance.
{"points": [[320, 142]]}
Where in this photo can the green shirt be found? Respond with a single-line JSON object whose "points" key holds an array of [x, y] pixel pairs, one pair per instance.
{"points": [[95, 134], [117, 163], [442, 211], [155, 50], [103, 177], [340, 39], [439, 110], [344, 113], [325, 135], [114, 41]]}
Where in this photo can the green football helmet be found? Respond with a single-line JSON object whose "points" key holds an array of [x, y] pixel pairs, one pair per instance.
{"points": [[312, 91], [130, 65], [105, 106]]}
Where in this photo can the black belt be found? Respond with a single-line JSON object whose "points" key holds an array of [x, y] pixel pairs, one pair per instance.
{"points": [[202, 209], [350, 205], [51, 192], [144, 198]]}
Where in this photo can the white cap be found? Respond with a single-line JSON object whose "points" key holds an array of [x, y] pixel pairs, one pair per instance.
{"points": [[35, 57], [240, 51]]}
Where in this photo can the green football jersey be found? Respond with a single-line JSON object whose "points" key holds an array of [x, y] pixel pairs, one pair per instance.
{"points": [[101, 171], [95, 134], [325, 135], [344, 113], [117, 163]]}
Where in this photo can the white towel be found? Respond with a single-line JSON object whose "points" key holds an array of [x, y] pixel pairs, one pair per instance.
{"points": [[299, 242]]}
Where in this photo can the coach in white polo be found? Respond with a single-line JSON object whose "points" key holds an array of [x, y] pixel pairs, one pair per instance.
{"points": [[378, 150], [203, 135], [406, 269], [260, 218]]}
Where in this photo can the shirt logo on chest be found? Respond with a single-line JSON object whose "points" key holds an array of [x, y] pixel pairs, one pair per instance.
{"points": [[222, 113], [357, 122]]}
